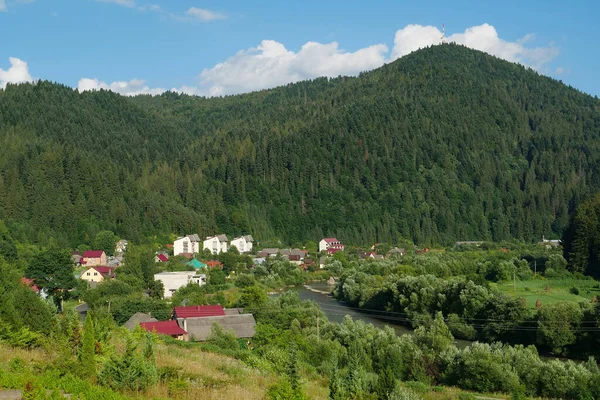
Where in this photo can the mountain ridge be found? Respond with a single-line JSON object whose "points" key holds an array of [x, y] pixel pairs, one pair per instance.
{"points": [[444, 144]]}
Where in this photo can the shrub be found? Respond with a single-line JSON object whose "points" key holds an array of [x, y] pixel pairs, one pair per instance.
{"points": [[574, 290]]}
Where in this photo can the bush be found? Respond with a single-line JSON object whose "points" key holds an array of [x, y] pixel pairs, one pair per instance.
{"points": [[574, 290]]}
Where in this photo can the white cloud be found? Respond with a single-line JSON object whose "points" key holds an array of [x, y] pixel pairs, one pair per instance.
{"points": [[131, 88], [3, 6], [17, 73], [483, 37], [203, 14], [271, 64], [124, 3], [151, 7]]}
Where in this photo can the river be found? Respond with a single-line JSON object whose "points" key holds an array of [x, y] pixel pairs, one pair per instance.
{"points": [[336, 311]]}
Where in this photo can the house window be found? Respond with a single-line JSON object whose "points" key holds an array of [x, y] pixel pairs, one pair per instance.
{"points": [[185, 247], [88, 274], [95, 273]]}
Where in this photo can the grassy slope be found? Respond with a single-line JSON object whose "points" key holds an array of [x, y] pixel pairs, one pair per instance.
{"points": [[532, 290], [211, 376]]}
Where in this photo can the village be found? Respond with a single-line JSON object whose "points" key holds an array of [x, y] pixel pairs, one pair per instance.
{"points": [[197, 257]]}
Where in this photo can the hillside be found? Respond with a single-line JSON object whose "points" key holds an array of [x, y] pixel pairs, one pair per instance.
{"points": [[444, 144]]}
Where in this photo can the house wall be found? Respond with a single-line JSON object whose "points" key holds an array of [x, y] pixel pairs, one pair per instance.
{"points": [[322, 245], [175, 280], [242, 245], [91, 275], [92, 262], [215, 245], [185, 245]]}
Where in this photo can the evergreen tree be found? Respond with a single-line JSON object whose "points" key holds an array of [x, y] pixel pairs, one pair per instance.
{"points": [[87, 355]]}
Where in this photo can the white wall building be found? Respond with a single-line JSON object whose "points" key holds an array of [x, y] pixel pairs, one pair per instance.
{"points": [[243, 243], [328, 243], [189, 244], [175, 280], [216, 244]]}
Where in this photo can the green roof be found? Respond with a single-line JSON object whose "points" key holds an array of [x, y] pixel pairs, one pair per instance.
{"points": [[196, 264]]}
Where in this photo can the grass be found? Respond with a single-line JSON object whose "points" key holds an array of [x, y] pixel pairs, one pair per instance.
{"points": [[551, 290]]}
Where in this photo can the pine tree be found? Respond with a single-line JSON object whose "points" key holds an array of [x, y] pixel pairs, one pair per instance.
{"points": [[87, 356]]}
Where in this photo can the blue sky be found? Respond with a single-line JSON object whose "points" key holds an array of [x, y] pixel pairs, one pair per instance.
{"points": [[223, 47]]}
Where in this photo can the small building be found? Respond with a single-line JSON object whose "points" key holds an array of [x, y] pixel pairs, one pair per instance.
{"points": [[214, 264], [91, 258], [161, 258], [137, 319], [243, 243], [331, 243], [196, 264], [198, 321], [121, 246], [76, 258], [97, 274], [115, 261], [172, 281], [189, 244], [169, 328], [396, 252], [268, 252], [30, 283], [469, 243], [216, 244]]}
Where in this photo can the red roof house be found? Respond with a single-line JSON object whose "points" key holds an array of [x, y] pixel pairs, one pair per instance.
{"points": [[198, 311], [161, 258], [94, 257], [169, 328], [214, 264], [30, 284], [331, 243]]}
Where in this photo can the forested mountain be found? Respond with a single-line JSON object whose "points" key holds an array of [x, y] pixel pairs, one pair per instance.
{"points": [[444, 144]]}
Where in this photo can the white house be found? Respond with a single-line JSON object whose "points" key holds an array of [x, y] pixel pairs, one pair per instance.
{"points": [[97, 274], [175, 280], [330, 243], [189, 244], [216, 244], [243, 243]]}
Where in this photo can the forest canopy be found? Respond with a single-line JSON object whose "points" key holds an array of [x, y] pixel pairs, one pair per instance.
{"points": [[444, 144]]}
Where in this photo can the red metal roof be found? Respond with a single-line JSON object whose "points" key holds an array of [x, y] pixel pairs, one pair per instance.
{"points": [[93, 254], [330, 240], [106, 271], [199, 311], [163, 327], [163, 257]]}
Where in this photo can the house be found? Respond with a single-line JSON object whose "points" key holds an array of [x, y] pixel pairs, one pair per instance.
{"points": [[332, 250], [97, 274], [216, 244], [268, 252], [137, 319], [30, 284], [91, 258], [330, 243], [550, 243], [198, 321], [468, 243], [121, 246], [214, 264], [243, 243], [115, 261], [324, 261], [172, 281], [76, 258], [396, 252], [161, 258], [189, 244], [196, 264], [169, 328], [308, 262]]}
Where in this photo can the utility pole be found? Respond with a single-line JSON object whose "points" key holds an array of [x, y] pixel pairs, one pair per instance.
{"points": [[534, 267]]}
